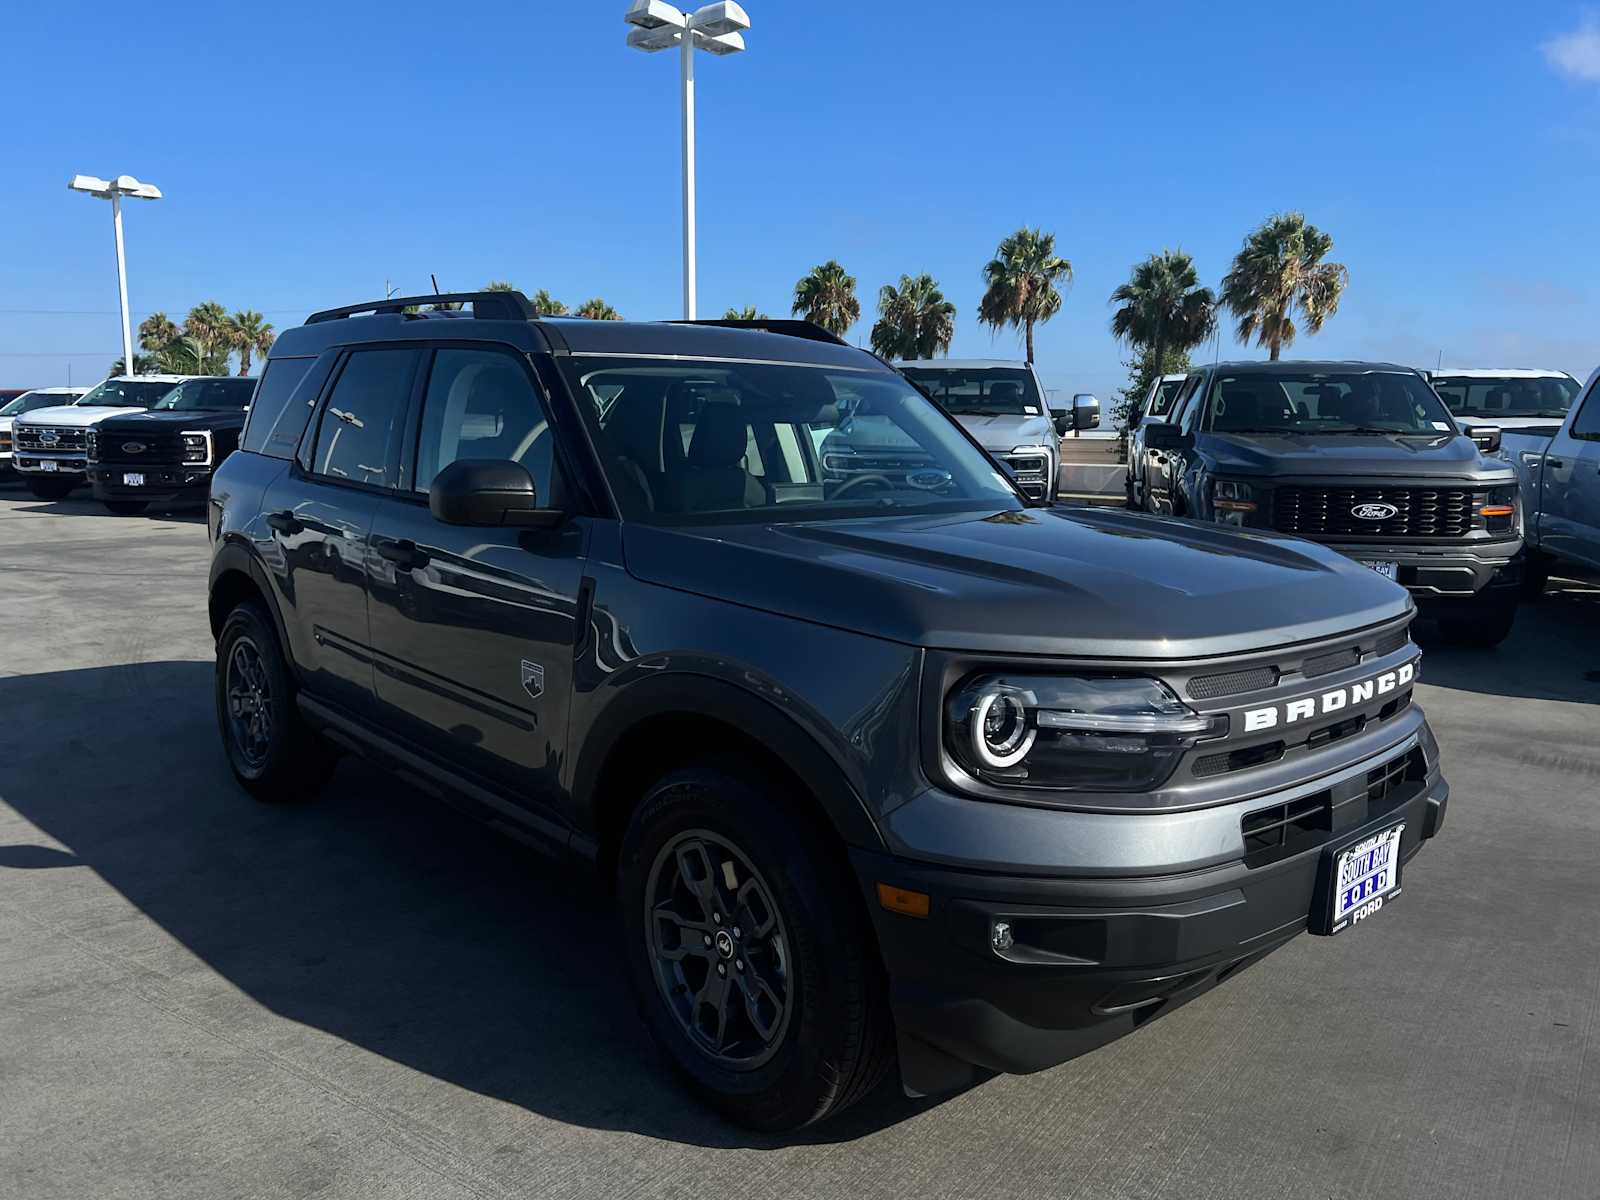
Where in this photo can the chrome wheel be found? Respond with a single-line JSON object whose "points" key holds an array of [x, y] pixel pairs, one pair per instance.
{"points": [[719, 949], [249, 694]]}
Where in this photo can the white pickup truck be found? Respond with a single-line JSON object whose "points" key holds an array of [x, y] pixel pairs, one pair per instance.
{"points": [[50, 445], [51, 397]]}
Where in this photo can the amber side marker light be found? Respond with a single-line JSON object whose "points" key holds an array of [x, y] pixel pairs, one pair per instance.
{"points": [[899, 900], [1496, 510]]}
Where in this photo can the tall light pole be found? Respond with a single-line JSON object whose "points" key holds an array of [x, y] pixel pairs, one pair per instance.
{"points": [[714, 28], [114, 190]]}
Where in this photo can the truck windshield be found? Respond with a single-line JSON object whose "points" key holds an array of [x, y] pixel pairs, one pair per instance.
{"points": [[231, 394], [126, 393], [980, 391], [1291, 402], [686, 442], [29, 401], [1507, 396]]}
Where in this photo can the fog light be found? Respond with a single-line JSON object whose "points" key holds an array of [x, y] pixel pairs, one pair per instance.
{"points": [[1000, 936]]}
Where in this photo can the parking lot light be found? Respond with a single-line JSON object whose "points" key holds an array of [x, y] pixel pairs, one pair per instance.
{"points": [[114, 190], [715, 28]]}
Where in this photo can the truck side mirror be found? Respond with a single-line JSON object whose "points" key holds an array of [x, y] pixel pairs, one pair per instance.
{"points": [[1161, 435], [1085, 412], [1486, 437], [487, 491]]}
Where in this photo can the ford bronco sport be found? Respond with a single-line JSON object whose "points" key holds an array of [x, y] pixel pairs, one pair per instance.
{"points": [[887, 766]]}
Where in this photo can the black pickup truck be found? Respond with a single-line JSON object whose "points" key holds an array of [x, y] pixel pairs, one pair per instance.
{"points": [[1363, 457], [168, 453]]}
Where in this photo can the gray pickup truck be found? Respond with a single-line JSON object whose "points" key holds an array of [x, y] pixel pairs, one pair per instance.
{"points": [[1559, 467]]}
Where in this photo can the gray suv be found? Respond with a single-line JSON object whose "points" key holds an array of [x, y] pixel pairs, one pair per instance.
{"points": [[893, 768]]}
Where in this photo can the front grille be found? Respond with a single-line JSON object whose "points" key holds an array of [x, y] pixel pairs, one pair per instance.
{"points": [[5, 439], [1237, 760], [1031, 470], [1418, 512], [1208, 687], [47, 439], [1284, 828], [1391, 783], [1390, 642], [163, 448], [1326, 664]]}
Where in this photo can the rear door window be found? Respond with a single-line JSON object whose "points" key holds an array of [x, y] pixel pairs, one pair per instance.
{"points": [[356, 439]]}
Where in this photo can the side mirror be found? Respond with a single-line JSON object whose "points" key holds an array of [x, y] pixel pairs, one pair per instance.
{"points": [[487, 491], [1161, 435], [1134, 418], [1085, 411], [1487, 437]]}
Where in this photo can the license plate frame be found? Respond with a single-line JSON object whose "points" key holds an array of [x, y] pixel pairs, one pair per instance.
{"points": [[1389, 570], [48, 465], [1344, 898], [133, 479]]}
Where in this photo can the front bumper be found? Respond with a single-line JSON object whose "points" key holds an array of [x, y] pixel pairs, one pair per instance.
{"points": [[29, 462], [1095, 956], [1440, 574], [166, 483]]}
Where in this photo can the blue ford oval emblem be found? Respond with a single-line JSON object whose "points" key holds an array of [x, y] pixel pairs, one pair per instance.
{"points": [[929, 479]]}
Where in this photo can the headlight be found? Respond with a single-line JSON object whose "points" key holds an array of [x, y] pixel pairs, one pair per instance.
{"points": [[1087, 734], [1232, 501], [1499, 508], [197, 448], [91, 446]]}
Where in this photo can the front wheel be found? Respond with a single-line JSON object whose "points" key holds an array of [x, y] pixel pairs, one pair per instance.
{"points": [[1483, 625], [51, 489], [272, 752], [748, 952], [126, 508]]}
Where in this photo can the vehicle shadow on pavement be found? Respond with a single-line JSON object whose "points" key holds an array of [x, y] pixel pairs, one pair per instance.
{"points": [[370, 912], [1553, 652]]}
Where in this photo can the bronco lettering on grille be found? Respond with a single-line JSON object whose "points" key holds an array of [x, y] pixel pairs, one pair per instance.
{"points": [[1307, 707]]}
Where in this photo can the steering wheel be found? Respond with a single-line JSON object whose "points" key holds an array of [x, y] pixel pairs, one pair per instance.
{"points": [[861, 480]]}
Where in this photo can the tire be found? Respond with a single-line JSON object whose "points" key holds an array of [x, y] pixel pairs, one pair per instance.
{"points": [[1483, 626], [1535, 574], [278, 759], [126, 508], [51, 489], [806, 1031]]}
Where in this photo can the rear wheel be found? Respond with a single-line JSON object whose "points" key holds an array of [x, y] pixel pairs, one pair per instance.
{"points": [[51, 489], [748, 952], [272, 752], [1482, 625], [126, 508]]}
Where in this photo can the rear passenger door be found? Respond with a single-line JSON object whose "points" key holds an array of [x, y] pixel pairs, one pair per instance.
{"points": [[475, 628], [320, 518], [1569, 520]]}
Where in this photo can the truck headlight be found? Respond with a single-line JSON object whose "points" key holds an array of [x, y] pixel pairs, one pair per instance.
{"points": [[1072, 733], [1232, 501], [91, 446], [1499, 509], [197, 448]]}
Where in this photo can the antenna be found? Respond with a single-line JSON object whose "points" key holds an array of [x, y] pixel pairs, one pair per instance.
{"points": [[435, 279], [1439, 366]]}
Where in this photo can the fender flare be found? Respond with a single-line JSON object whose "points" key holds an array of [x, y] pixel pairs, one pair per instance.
{"points": [[234, 557], [779, 733]]}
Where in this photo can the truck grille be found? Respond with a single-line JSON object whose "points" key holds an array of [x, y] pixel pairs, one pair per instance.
{"points": [[1031, 471], [48, 439], [1418, 512], [109, 446]]}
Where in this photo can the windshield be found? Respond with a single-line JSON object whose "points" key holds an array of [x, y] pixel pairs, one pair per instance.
{"points": [[29, 401], [980, 391], [232, 393], [1481, 396], [1290, 402], [126, 393], [686, 442]]}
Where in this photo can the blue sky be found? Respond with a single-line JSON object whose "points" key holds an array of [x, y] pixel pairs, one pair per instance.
{"points": [[310, 153]]}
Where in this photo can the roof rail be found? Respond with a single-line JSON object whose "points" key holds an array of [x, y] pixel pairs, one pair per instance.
{"points": [[809, 330], [486, 306]]}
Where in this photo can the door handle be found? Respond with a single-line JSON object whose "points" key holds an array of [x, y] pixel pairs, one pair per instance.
{"points": [[403, 553], [1554, 463], [285, 522]]}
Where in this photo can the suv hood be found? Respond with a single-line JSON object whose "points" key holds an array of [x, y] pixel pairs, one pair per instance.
{"points": [[1443, 455], [155, 422], [73, 416], [1049, 581], [1004, 432]]}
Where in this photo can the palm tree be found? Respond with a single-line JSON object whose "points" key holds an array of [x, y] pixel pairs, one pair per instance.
{"points": [[1020, 283], [188, 355], [547, 305], [156, 332], [827, 297], [915, 321], [747, 313], [498, 285], [597, 310], [207, 324], [1163, 308], [1280, 268], [249, 333], [143, 364]]}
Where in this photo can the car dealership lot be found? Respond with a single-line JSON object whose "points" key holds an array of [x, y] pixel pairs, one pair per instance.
{"points": [[372, 996]]}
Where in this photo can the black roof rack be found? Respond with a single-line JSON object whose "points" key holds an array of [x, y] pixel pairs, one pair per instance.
{"points": [[787, 327], [486, 306]]}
